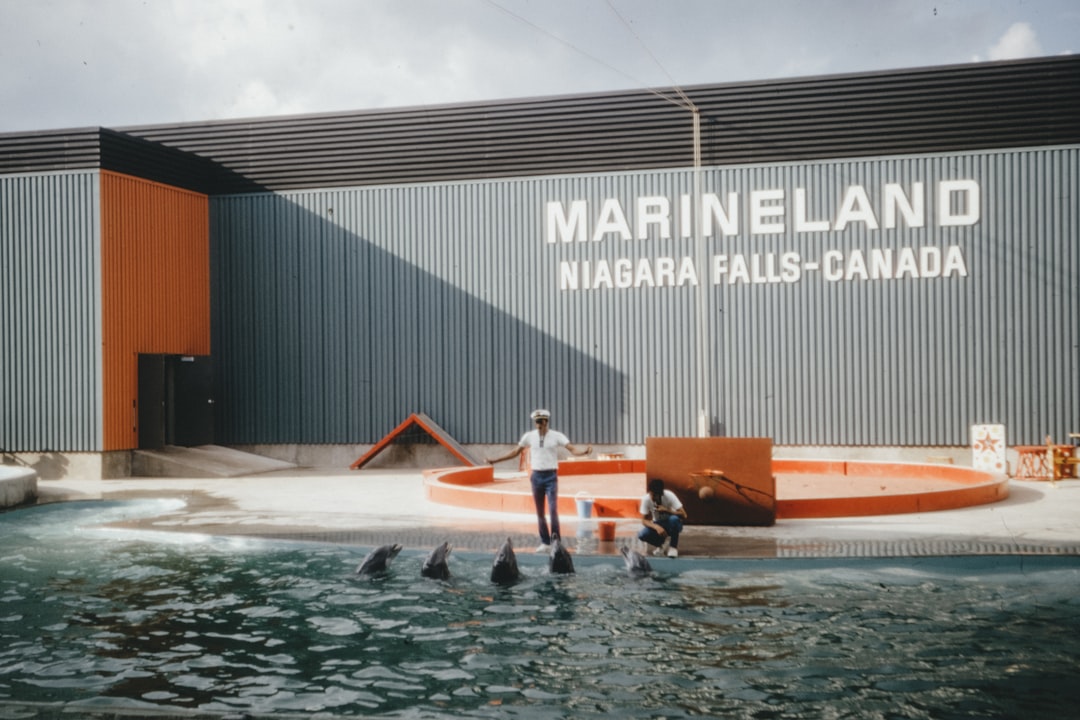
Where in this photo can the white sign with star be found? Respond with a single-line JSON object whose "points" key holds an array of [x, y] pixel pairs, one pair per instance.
{"points": [[988, 448]]}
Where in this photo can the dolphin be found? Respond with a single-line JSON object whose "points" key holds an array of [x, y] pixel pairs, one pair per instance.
{"points": [[636, 563], [435, 566], [378, 560], [504, 569], [560, 562]]}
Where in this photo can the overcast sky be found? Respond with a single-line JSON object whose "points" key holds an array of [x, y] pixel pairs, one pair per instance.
{"points": [[81, 63]]}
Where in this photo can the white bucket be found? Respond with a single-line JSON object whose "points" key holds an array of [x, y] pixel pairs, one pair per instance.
{"points": [[584, 504]]}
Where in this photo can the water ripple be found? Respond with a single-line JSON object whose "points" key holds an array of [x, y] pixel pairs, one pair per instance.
{"points": [[282, 628]]}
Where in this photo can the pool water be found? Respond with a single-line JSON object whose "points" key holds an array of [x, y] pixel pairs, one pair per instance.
{"points": [[102, 621]]}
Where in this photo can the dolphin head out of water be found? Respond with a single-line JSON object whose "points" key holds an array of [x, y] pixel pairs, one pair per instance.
{"points": [[504, 569], [559, 561], [378, 560], [636, 563], [436, 565]]}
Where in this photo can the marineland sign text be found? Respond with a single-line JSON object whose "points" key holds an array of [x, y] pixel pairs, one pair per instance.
{"points": [[769, 212]]}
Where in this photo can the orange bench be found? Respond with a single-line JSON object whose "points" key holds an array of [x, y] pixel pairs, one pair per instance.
{"points": [[1047, 462], [1064, 459]]}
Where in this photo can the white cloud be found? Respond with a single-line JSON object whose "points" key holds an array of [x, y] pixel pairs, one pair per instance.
{"points": [[1019, 41], [75, 63]]}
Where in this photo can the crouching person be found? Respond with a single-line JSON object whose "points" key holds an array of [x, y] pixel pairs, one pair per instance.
{"points": [[662, 514]]}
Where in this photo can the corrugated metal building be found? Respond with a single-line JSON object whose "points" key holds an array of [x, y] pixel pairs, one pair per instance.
{"points": [[880, 259]]}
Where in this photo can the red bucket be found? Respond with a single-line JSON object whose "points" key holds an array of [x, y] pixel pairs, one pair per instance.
{"points": [[606, 531]]}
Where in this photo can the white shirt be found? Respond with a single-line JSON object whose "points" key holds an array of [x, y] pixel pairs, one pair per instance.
{"points": [[648, 507], [546, 457]]}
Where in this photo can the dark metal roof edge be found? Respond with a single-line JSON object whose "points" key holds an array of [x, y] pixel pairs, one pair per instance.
{"points": [[87, 130], [532, 103], [101, 148], [1011, 103]]}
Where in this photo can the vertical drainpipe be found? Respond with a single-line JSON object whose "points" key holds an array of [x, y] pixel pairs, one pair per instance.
{"points": [[703, 285]]}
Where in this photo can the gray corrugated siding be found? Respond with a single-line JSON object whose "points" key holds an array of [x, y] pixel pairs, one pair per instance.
{"points": [[942, 109], [339, 312], [916, 362], [101, 148], [50, 364]]}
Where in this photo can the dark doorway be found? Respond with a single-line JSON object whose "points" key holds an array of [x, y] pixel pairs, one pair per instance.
{"points": [[151, 402], [191, 421], [176, 402]]}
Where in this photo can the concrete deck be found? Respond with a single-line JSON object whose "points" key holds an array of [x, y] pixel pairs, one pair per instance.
{"points": [[18, 485], [371, 507]]}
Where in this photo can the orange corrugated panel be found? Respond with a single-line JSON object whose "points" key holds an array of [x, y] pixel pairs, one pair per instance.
{"points": [[155, 271]]}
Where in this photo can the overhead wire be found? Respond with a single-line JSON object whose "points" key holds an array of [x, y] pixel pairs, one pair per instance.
{"points": [[682, 101], [630, 28]]}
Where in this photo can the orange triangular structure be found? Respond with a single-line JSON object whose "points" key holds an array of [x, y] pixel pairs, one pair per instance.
{"points": [[431, 428]]}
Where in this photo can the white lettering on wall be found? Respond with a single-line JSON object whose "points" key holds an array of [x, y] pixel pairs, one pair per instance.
{"points": [[765, 207], [625, 273], [764, 212], [855, 207], [958, 202], [612, 220], [802, 224], [713, 213], [657, 217], [567, 227], [877, 264], [653, 212], [911, 207]]}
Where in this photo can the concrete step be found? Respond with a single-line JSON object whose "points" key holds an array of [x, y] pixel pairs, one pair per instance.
{"points": [[204, 461], [18, 486]]}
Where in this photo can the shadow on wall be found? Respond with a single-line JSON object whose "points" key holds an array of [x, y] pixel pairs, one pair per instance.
{"points": [[48, 466], [336, 319]]}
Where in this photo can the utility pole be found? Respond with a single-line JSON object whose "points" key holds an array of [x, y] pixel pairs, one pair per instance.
{"points": [[703, 354]]}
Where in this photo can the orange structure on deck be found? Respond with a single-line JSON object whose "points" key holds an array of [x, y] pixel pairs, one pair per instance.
{"points": [[804, 488], [1046, 462], [427, 425]]}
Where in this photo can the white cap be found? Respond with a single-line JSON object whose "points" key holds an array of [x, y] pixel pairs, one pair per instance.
{"points": [[541, 414]]}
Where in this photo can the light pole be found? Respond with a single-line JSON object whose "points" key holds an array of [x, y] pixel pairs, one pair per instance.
{"points": [[704, 419]]}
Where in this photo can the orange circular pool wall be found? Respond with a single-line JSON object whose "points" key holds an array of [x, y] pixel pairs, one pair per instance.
{"points": [[804, 488]]}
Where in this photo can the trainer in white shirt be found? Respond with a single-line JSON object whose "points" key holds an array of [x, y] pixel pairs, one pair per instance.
{"points": [[543, 444]]}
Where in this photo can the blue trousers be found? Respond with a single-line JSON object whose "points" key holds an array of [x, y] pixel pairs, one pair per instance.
{"points": [[545, 485], [671, 523]]}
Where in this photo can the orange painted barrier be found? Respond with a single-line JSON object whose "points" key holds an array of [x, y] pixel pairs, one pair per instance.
{"points": [[804, 488]]}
